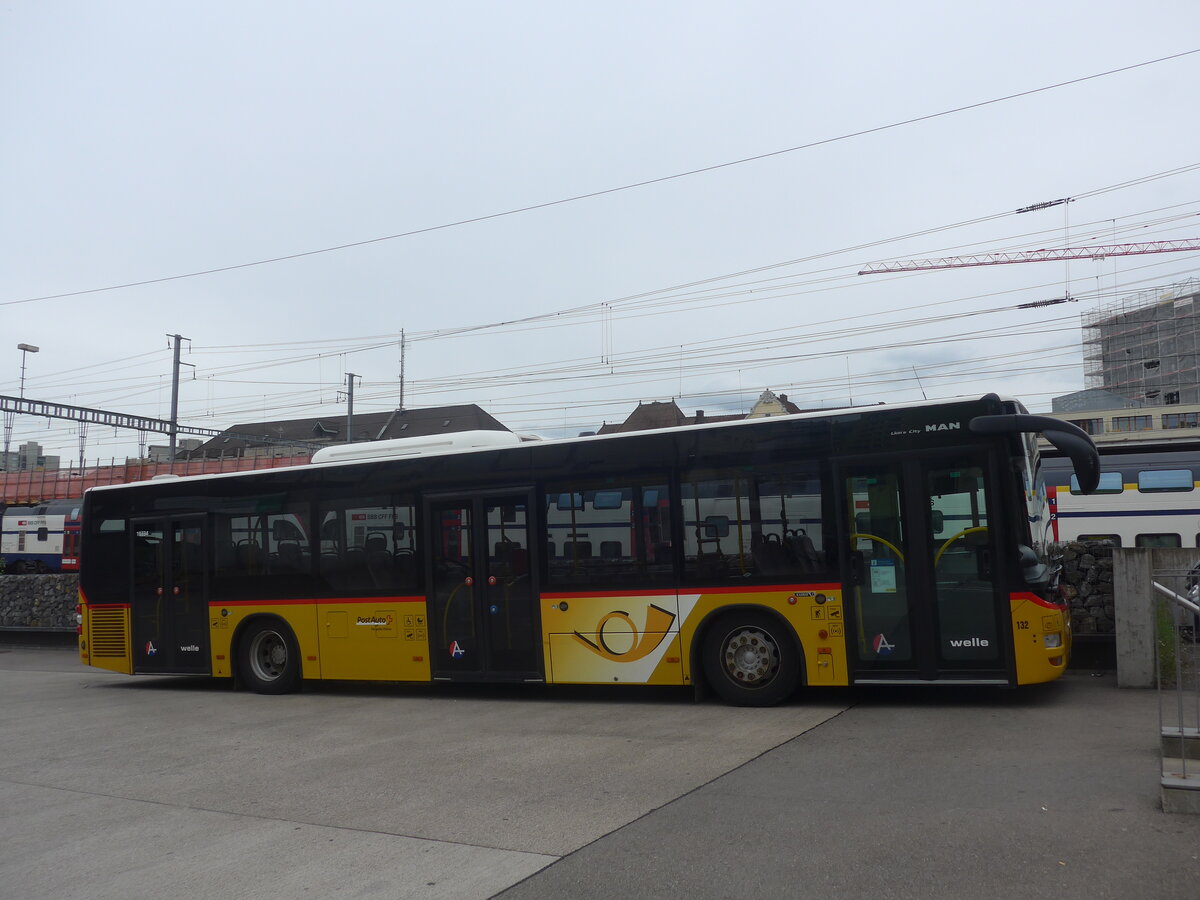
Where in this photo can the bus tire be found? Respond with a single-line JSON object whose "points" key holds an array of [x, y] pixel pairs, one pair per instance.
{"points": [[269, 658], [750, 659]]}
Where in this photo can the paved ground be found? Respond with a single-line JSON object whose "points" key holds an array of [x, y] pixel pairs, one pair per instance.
{"points": [[128, 787], [958, 794], [120, 787]]}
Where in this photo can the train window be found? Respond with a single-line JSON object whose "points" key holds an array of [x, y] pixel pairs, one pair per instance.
{"points": [[1110, 483], [1158, 540], [1114, 539], [1165, 480]]}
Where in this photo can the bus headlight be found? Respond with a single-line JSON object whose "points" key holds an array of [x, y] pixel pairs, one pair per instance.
{"points": [[1051, 641]]}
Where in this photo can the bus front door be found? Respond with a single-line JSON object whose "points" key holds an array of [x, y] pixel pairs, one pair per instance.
{"points": [[168, 601], [482, 601], [925, 600]]}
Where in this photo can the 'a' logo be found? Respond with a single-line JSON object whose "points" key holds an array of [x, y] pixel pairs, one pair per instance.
{"points": [[658, 621]]}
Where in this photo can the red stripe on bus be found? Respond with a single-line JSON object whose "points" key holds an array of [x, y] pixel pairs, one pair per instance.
{"points": [[740, 589], [763, 589], [327, 601], [1040, 601], [600, 592]]}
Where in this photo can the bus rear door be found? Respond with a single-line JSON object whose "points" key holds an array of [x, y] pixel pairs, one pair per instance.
{"points": [[168, 602]]}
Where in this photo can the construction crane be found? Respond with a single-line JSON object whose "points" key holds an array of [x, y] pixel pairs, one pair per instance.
{"points": [[1024, 256]]}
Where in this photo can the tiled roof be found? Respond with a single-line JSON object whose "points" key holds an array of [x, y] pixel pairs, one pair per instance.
{"points": [[367, 427]]}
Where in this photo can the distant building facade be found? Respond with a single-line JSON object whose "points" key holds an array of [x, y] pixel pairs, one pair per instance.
{"points": [[162, 452], [769, 404], [1146, 347], [1142, 369], [667, 414], [29, 457], [1140, 424]]}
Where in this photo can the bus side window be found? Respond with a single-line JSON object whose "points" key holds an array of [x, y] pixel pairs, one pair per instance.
{"points": [[368, 544], [610, 534], [738, 525]]}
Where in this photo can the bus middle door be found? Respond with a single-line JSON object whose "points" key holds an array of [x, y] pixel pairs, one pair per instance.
{"points": [[483, 621]]}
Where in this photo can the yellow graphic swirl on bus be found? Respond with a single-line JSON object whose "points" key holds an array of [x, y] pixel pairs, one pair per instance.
{"points": [[658, 621]]}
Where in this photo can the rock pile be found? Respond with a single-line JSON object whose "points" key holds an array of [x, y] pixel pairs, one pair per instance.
{"points": [[1087, 585], [38, 601]]}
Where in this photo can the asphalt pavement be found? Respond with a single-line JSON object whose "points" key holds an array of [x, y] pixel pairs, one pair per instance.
{"points": [[920, 793], [133, 787]]}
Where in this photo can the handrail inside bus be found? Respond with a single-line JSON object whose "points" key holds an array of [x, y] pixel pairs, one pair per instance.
{"points": [[1072, 440], [974, 530], [875, 537]]}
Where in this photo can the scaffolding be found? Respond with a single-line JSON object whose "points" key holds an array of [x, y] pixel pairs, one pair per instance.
{"points": [[1146, 346]]}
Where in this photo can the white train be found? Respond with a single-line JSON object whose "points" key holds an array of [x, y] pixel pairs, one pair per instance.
{"points": [[1148, 497], [40, 539]]}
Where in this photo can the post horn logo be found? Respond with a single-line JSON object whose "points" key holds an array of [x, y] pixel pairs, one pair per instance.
{"points": [[658, 622]]}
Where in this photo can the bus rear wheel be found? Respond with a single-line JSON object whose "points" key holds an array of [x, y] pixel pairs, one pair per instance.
{"points": [[750, 659], [270, 658]]}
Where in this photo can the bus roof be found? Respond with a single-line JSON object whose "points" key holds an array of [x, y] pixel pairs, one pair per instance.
{"points": [[350, 454]]}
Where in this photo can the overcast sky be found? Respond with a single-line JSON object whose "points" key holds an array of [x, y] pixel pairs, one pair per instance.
{"points": [[145, 140]]}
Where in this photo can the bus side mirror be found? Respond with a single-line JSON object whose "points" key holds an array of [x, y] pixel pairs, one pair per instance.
{"points": [[1035, 572], [1070, 439]]}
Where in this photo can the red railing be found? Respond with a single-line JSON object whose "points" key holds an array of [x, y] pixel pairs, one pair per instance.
{"points": [[28, 488]]}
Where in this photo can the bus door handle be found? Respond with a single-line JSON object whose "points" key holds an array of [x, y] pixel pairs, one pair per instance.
{"points": [[854, 574]]}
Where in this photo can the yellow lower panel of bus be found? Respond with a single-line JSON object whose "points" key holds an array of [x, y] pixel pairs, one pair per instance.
{"points": [[622, 638], [383, 639], [104, 642], [380, 641], [647, 638], [813, 611], [585, 659], [225, 620], [1041, 639]]}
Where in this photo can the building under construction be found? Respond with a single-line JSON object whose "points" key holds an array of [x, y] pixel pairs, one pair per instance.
{"points": [[1146, 347]]}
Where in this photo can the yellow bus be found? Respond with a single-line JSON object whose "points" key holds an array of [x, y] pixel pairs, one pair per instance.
{"points": [[890, 544]]}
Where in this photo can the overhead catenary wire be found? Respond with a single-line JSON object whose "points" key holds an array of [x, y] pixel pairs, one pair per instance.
{"points": [[303, 400], [617, 189]]}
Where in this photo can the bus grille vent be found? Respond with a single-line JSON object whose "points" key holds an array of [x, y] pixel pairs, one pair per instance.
{"points": [[108, 633]]}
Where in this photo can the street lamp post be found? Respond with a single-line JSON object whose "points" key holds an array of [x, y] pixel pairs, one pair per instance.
{"points": [[10, 417], [25, 349]]}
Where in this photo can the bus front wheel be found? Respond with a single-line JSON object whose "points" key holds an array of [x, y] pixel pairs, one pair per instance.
{"points": [[270, 658], [750, 659]]}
